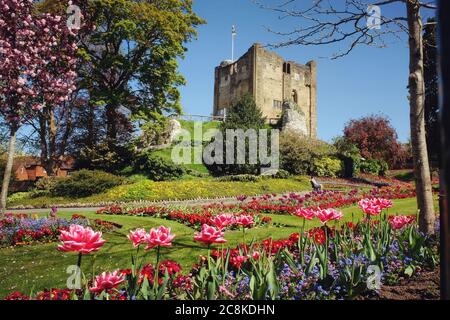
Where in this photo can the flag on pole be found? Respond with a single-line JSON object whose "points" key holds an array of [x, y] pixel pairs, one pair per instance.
{"points": [[233, 30]]}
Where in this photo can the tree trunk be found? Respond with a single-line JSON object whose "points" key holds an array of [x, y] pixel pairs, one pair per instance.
{"points": [[111, 125], [52, 156], [90, 141], [8, 169], [417, 119]]}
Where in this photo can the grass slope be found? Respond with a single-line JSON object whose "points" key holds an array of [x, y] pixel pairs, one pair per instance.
{"points": [[177, 190]]}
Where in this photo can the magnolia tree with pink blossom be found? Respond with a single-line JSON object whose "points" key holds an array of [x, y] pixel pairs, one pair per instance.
{"points": [[37, 68]]}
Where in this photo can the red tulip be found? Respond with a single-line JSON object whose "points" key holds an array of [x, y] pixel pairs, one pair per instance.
{"points": [[255, 255], [238, 261], [210, 235], [107, 281], [159, 237], [80, 239]]}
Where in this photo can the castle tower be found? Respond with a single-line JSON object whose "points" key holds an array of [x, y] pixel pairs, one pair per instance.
{"points": [[270, 80]]}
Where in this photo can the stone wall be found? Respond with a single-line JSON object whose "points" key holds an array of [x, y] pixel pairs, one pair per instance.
{"points": [[271, 80]]}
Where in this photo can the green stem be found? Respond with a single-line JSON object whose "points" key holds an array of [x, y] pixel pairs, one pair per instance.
{"points": [[80, 255], [155, 283], [326, 251]]}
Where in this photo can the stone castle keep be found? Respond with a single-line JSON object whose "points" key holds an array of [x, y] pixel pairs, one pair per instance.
{"points": [[271, 81]]}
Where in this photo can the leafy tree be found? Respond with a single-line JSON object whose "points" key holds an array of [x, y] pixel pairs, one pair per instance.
{"points": [[37, 62], [375, 138], [130, 59], [243, 115]]}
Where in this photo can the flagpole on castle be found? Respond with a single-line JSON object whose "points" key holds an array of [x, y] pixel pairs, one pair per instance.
{"points": [[233, 35]]}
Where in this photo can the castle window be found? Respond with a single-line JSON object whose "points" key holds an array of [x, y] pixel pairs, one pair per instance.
{"points": [[277, 104], [287, 68], [294, 96]]}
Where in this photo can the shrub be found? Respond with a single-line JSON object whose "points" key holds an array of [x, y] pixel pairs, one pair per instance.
{"points": [[84, 183], [374, 166], [103, 157], [298, 152], [157, 168], [45, 186], [327, 167], [281, 174]]}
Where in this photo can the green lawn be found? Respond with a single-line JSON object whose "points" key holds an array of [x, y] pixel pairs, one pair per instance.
{"points": [[177, 190], [42, 266]]}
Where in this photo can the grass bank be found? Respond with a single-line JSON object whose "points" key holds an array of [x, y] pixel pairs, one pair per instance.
{"points": [[147, 190]]}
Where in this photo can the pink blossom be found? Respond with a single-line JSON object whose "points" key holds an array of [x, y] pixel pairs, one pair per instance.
{"points": [[222, 221], [383, 203], [245, 220], [80, 239], [370, 206], [159, 237], [107, 281], [210, 235], [326, 215], [137, 236], [305, 213], [398, 222]]}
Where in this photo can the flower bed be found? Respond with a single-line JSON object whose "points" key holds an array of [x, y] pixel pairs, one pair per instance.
{"points": [[322, 263], [287, 204], [23, 229], [193, 217]]}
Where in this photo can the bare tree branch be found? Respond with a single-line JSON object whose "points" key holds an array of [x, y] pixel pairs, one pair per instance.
{"points": [[324, 22]]}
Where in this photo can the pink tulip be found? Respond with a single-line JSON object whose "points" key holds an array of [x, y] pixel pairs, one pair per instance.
{"points": [[107, 281], [137, 236], [80, 239], [383, 203], [223, 220], [370, 206], [398, 222], [159, 237], [210, 235], [245, 220], [326, 215], [305, 213]]}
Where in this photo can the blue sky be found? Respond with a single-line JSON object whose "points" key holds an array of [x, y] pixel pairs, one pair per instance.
{"points": [[368, 81]]}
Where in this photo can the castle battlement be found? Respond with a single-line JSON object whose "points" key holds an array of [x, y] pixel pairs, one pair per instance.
{"points": [[270, 80]]}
